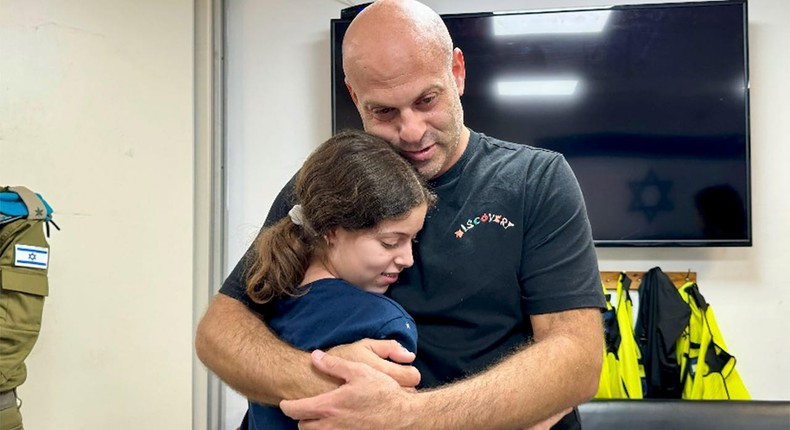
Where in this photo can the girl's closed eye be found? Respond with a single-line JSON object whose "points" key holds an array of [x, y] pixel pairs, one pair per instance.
{"points": [[388, 245]]}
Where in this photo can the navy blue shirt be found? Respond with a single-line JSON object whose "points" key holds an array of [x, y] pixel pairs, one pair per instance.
{"points": [[332, 313]]}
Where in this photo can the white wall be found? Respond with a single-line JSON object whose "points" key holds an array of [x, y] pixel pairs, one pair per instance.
{"points": [[279, 109], [96, 114]]}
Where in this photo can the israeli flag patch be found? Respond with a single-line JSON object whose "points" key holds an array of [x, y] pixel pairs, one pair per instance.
{"points": [[34, 257]]}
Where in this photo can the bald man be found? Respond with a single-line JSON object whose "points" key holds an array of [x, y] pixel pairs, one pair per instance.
{"points": [[505, 287]]}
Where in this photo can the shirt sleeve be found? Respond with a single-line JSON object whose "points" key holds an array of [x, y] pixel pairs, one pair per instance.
{"points": [[401, 329], [559, 268]]}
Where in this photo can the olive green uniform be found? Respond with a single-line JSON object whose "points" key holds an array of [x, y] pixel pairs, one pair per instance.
{"points": [[24, 257]]}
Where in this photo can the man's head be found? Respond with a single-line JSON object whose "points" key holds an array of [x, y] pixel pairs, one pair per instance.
{"points": [[406, 80]]}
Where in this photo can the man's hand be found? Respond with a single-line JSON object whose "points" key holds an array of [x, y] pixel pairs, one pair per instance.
{"points": [[384, 356], [368, 399]]}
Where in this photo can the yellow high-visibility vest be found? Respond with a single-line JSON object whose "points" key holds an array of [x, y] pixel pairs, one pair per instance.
{"points": [[631, 370], [713, 377], [609, 383], [621, 375]]}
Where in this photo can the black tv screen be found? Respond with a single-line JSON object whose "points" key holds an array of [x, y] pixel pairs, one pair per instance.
{"points": [[648, 103]]}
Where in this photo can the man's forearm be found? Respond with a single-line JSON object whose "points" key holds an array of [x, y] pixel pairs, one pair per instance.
{"points": [[238, 347], [559, 371]]}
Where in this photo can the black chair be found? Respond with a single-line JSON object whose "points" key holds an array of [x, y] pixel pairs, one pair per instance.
{"points": [[685, 414]]}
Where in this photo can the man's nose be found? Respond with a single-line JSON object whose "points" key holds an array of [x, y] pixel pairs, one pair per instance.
{"points": [[412, 126]]}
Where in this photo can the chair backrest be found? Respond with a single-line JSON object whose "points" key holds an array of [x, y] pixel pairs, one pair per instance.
{"points": [[652, 414]]}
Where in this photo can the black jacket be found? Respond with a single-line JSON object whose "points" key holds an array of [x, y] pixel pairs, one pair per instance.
{"points": [[661, 319]]}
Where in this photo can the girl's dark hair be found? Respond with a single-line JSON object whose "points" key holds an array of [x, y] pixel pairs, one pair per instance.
{"points": [[354, 180]]}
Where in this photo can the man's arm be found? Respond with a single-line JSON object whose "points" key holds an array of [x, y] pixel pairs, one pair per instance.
{"points": [[560, 370], [239, 348]]}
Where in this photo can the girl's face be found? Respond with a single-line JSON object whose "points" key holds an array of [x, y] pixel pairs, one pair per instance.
{"points": [[372, 259]]}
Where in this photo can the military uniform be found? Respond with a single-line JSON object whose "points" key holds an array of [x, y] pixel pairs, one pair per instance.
{"points": [[24, 262]]}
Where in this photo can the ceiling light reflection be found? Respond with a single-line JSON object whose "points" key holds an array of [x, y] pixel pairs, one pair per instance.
{"points": [[590, 21], [557, 87]]}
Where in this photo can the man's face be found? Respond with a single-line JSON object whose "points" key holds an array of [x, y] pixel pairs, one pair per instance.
{"points": [[416, 106]]}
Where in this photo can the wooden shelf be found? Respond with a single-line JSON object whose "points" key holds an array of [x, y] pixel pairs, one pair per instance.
{"points": [[678, 278]]}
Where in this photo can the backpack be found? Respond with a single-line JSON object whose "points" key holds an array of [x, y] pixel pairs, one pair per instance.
{"points": [[24, 263]]}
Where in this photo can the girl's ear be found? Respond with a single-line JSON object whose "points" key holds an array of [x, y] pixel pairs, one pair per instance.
{"points": [[330, 237]]}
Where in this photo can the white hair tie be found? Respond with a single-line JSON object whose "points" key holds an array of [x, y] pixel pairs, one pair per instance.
{"points": [[297, 215]]}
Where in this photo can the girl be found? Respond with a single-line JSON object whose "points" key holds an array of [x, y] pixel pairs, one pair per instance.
{"points": [[322, 270]]}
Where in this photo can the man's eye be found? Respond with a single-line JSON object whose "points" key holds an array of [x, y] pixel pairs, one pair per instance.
{"points": [[427, 100], [389, 245], [382, 111]]}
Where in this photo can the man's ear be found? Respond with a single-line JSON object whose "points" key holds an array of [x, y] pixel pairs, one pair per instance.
{"points": [[459, 70], [352, 93]]}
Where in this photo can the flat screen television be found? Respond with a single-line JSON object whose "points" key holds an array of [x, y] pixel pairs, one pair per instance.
{"points": [[649, 104]]}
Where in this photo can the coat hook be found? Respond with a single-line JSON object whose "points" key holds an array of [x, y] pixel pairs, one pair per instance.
{"points": [[688, 275]]}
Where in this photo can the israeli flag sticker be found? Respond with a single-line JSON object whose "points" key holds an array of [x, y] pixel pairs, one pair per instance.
{"points": [[34, 257]]}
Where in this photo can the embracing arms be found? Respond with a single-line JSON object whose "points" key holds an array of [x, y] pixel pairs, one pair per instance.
{"points": [[238, 347], [560, 370]]}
